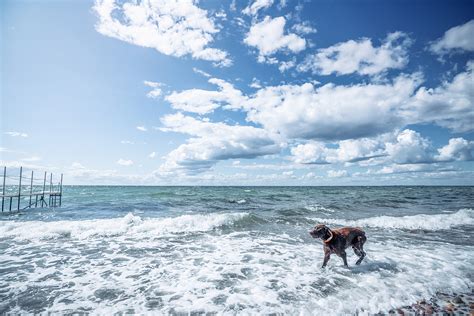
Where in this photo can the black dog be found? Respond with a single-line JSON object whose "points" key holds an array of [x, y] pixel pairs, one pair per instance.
{"points": [[337, 240]]}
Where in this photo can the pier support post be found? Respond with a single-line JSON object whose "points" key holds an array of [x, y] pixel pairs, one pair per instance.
{"points": [[44, 187], [3, 190], [61, 190], [19, 188], [31, 187], [50, 188]]}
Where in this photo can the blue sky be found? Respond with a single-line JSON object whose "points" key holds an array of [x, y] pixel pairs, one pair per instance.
{"points": [[239, 92]]}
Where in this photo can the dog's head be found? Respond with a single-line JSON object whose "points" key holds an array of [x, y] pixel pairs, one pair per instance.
{"points": [[320, 231]]}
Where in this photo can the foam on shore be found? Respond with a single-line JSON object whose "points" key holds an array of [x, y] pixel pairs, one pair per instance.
{"points": [[240, 272]]}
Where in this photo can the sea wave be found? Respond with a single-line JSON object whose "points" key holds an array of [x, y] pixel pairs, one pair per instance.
{"points": [[130, 224], [421, 221], [241, 201], [319, 208]]}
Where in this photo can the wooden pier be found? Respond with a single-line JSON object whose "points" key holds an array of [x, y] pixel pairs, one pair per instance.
{"points": [[37, 192]]}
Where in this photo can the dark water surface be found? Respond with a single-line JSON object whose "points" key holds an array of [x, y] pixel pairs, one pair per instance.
{"points": [[234, 250]]}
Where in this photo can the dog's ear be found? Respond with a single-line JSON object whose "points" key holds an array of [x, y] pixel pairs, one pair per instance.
{"points": [[325, 231], [321, 227]]}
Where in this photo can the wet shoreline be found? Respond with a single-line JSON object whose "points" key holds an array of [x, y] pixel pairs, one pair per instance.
{"points": [[441, 304]]}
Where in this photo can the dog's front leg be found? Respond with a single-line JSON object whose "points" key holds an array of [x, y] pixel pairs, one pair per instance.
{"points": [[344, 258], [327, 255]]}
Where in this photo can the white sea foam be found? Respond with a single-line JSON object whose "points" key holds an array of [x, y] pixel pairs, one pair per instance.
{"points": [[422, 221], [115, 265], [235, 273], [130, 225], [319, 208]]}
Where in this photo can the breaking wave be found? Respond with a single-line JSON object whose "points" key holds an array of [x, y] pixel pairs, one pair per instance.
{"points": [[421, 221], [128, 225], [319, 208]]}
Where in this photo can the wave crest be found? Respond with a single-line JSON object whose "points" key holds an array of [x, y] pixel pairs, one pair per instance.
{"points": [[421, 221], [130, 224], [319, 208]]}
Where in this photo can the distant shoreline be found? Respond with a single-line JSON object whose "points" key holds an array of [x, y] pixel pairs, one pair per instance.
{"points": [[269, 186]]}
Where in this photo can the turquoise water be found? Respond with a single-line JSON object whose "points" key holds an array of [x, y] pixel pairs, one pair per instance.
{"points": [[234, 250]]}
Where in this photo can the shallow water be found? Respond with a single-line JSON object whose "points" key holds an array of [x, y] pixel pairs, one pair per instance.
{"points": [[234, 250]]}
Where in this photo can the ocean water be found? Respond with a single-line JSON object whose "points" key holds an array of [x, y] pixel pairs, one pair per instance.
{"points": [[234, 250]]}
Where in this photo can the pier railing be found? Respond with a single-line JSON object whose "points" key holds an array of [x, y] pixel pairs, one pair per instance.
{"points": [[21, 191]]}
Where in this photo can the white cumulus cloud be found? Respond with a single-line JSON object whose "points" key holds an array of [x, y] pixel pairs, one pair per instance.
{"points": [[457, 149], [311, 153], [213, 142], [332, 112], [405, 147], [155, 92], [410, 148], [201, 72], [175, 28], [304, 28], [16, 134], [286, 65], [458, 38], [256, 6], [329, 112], [337, 173], [337, 112], [204, 101], [268, 36], [360, 56], [449, 105], [353, 150], [124, 162]]}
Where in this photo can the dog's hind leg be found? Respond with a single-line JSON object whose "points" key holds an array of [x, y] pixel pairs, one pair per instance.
{"points": [[360, 253], [359, 250]]}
